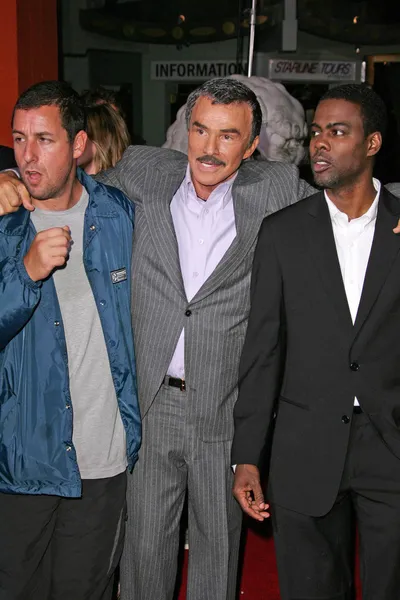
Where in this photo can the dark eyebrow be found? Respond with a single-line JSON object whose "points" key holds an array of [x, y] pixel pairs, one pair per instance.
{"points": [[331, 125], [42, 133], [229, 130], [232, 130], [197, 124], [39, 134]]}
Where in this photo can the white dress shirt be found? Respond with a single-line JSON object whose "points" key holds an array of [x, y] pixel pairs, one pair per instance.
{"points": [[353, 241], [204, 231]]}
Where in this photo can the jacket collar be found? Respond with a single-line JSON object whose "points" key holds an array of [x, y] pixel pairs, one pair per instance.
{"points": [[99, 198], [384, 250]]}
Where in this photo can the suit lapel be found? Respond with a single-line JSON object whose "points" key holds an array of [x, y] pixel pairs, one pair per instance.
{"points": [[161, 184], [384, 250], [323, 250], [249, 201]]}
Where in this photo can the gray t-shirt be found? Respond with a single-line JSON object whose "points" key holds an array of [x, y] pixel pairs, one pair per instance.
{"points": [[98, 434]]}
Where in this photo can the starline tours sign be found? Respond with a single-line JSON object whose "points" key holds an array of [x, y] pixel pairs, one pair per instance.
{"points": [[195, 70], [311, 70]]}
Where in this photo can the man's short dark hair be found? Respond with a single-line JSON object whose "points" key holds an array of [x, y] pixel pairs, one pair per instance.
{"points": [[56, 93], [224, 90], [373, 109]]}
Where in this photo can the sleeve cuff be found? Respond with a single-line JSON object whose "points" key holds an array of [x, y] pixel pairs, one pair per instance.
{"points": [[23, 274]]}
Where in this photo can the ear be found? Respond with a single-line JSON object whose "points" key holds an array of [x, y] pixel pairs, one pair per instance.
{"points": [[79, 143], [251, 148], [374, 143]]}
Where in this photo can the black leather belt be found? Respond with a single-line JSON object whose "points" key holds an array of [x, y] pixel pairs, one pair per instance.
{"points": [[357, 410], [175, 382]]}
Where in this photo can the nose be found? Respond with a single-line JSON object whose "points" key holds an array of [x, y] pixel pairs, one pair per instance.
{"points": [[30, 151], [320, 142], [211, 145]]}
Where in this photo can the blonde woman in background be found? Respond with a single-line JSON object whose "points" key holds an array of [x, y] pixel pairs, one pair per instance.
{"points": [[108, 138]]}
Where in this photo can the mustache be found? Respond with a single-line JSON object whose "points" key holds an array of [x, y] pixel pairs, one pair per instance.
{"points": [[211, 160]]}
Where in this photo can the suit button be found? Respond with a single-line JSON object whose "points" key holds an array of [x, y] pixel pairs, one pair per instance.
{"points": [[345, 419], [354, 366], [188, 313]]}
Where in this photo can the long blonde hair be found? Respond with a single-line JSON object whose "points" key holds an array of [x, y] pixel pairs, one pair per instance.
{"points": [[107, 130]]}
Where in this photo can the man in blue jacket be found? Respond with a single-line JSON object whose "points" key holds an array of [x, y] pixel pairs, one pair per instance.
{"points": [[69, 417]]}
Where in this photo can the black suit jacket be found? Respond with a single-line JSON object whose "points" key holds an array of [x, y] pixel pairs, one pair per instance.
{"points": [[303, 359]]}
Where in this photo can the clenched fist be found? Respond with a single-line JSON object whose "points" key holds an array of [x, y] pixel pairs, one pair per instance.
{"points": [[49, 249], [13, 193]]}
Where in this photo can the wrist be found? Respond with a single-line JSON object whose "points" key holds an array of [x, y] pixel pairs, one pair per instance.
{"points": [[30, 269], [25, 277], [247, 467]]}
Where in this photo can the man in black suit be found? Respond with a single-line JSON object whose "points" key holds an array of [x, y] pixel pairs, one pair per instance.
{"points": [[320, 369]]}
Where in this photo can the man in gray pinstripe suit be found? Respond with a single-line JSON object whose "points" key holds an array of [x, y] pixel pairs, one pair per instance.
{"points": [[196, 227]]}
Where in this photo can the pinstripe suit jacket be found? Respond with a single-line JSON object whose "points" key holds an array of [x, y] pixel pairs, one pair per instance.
{"points": [[215, 320]]}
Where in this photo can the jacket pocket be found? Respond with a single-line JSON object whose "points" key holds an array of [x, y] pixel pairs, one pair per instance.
{"points": [[294, 403]]}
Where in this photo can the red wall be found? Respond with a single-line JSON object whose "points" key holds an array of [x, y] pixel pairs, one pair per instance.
{"points": [[28, 52]]}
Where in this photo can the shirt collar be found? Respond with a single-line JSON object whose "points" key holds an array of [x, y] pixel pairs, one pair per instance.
{"points": [[223, 192], [337, 215]]}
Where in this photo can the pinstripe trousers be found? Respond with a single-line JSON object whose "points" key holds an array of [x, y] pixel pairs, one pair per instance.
{"points": [[174, 462]]}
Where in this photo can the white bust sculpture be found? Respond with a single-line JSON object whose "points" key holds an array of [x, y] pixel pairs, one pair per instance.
{"points": [[283, 129]]}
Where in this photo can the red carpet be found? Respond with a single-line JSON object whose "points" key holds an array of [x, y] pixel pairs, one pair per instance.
{"points": [[259, 578]]}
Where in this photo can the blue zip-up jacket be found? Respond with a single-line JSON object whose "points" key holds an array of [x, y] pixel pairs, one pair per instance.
{"points": [[37, 455]]}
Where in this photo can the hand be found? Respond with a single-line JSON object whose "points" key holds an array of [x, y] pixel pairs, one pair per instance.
{"points": [[13, 194], [49, 249], [247, 491], [397, 228]]}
